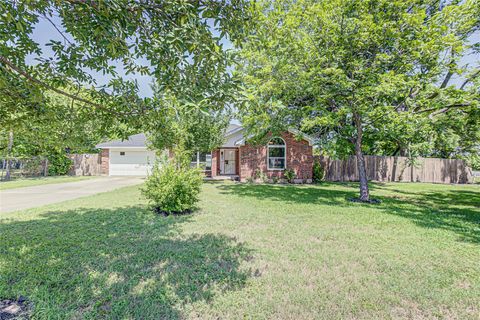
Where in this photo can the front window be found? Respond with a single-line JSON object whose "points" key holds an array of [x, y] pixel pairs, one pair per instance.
{"points": [[276, 154], [202, 160], [205, 161]]}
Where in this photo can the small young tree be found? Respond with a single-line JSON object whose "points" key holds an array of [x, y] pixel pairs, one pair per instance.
{"points": [[347, 70]]}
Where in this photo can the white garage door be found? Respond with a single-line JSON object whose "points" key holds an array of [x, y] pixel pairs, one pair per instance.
{"points": [[130, 163]]}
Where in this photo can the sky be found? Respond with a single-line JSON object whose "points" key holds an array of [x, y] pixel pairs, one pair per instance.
{"points": [[45, 32]]}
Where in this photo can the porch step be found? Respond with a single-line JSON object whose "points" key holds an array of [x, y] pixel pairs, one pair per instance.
{"points": [[229, 177]]}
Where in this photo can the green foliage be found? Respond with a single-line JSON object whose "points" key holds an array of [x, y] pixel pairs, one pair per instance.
{"points": [[59, 164], [318, 172], [176, 43], [364, 76], [289, 175], [474, 161], [192, 127], [171, 188], [260, 175], [58, 124]]}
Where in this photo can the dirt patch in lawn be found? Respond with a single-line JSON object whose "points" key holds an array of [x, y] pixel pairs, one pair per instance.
{"points": [[14, 309]]}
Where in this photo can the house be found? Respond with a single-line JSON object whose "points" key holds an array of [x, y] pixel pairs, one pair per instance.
{"points": [[129, 157], [236, 158]]}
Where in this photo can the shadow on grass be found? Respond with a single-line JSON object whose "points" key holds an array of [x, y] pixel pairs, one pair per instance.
{"points": [[122, 263], [290, 193], [452, 210], [447, 197]]}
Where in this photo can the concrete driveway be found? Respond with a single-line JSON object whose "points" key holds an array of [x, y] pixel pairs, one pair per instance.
{"points": [[36, 196]]}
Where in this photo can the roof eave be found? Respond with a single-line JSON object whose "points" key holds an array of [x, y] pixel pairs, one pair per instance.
{"points": [[120, 147], [311, 141]]}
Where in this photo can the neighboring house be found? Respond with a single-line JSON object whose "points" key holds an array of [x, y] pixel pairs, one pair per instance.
{"points": [[236, 158]]}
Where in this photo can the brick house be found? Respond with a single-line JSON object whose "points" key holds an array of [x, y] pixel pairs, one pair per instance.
{"points": [[236, 158]]}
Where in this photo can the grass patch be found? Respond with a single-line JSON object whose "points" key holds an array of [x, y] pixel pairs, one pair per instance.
{"points": [[30, 182], [251, 251]]}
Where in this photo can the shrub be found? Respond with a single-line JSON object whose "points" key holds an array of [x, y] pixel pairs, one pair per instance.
{"points": [[59, 164], [473, 161], [172, 189], [318, 172], [259, 174], [289, 175]]}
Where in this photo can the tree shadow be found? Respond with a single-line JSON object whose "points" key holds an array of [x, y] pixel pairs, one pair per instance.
{"points": [[446, 198], [453, 210], [302, 194], [115, 263]]}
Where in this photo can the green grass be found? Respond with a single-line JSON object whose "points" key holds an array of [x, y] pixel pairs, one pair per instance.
{"points": [[30, 182], [251, 251]]}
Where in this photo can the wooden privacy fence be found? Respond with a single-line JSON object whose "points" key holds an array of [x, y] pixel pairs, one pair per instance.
{"points": [[85, 165], [387, 169]]}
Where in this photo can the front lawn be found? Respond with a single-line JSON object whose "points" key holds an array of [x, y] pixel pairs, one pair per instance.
{"points": [[29, 182], [251, 251]]}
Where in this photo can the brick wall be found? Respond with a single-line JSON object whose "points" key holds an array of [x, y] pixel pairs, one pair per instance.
{"points": [[215, 162], [105, 157], [299, 158]]}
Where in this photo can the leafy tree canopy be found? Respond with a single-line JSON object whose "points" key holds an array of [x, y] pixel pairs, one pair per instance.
{"points": [[176, 42], [361, 74], [186, 128], [53, 126]]}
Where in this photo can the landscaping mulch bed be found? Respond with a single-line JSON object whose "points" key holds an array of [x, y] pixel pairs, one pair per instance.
{"points": [[14, 309], [372, 201], [159, 211]]}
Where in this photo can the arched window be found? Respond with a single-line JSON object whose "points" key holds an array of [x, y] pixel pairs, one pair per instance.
{"points": [[276, 154]]}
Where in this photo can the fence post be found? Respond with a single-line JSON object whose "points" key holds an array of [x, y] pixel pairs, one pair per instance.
{"points": [[45, 168]]}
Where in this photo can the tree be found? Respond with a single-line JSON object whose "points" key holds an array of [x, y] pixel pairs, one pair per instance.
{"points": [[189, 127], [49, 129], [176, 42], [347, 70]]}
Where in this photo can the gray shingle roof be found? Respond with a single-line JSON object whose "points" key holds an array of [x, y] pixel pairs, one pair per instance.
{"points": [[232, 127], [134, 141], [139, 140]]}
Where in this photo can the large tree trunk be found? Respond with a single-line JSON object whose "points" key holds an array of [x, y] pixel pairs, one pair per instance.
{"points": [[9, 152], [362, 172]]}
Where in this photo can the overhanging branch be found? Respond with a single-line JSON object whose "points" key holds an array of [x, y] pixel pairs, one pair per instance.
{"points": [[436, 111], [473, 76], [30, 78]]}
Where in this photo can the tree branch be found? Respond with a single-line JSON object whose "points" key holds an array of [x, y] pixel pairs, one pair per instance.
{"points": [[473, 76], [56, 28], [23, 73], [446, 80], [445, 109]]}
